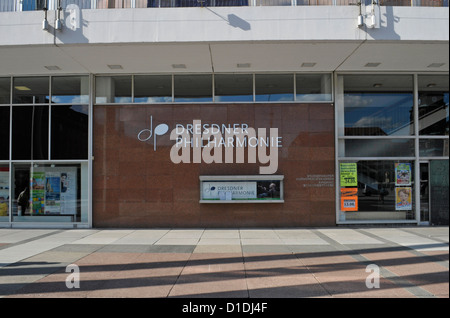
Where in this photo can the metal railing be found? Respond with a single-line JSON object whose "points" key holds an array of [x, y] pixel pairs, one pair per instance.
{"points": [[30, 5]]}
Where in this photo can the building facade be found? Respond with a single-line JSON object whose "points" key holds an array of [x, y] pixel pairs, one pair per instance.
{"points": [[223, 113]]}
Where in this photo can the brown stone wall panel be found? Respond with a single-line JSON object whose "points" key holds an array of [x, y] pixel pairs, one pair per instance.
{"points": [[321, 111], [137, 186]]}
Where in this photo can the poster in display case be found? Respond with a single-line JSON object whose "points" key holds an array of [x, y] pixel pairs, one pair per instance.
{"points": [[403, 199], [4, 190], [241, 189], [54, 190], [402, 174]]}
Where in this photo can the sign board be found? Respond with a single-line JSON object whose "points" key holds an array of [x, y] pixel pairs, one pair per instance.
{"points": [[349, 199], [229, 190], [349, 175], [241, 189]]}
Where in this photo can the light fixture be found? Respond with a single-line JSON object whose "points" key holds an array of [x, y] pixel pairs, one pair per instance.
{"points": [[436, 65], [372, 64], [45, 22], [115, 66], [308, 64], [377, 85], [431, 85], [243, 65], [52, 68], [22, 88], [58, 22], [178, 65]]}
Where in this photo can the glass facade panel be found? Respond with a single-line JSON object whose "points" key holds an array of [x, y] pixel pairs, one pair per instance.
{"points": [[313, 87], [50, 193], [378, 105], [274, 87], [69, 132], [433, 147], [31, 90], [193, 88], [152, 88], [4, 132], [5, 90], [190, 3], [379, 148], [383, 190], [433, 105], [113, 89], [233, 88], [30, 132], [70, 89]]}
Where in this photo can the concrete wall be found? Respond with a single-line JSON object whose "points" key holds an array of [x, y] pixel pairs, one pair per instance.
{"points": [[217, 24]]}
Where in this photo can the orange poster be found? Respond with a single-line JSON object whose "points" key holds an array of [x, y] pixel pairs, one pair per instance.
{"points": [[349, 199]]}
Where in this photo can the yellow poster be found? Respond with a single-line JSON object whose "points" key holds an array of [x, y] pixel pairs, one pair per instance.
{"points": [[349, 174], [403, 198]]}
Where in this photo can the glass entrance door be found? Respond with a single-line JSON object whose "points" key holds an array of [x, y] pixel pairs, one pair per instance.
{"points": [[424, 192]]}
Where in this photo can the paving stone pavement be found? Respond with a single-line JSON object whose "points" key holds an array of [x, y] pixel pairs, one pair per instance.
{"points": [[340, 262]]}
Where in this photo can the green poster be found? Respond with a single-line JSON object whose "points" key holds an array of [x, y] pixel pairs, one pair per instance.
{"points": [[38, 192], [349, 175]]}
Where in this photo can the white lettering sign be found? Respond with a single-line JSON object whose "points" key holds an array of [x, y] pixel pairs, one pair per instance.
{"points": [[208, 143]]}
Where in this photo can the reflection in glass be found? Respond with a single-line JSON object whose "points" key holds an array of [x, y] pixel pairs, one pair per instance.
{"points": [[69, 137], [433, 105], [193, 88], [113, 89], [30, 132], [378, 105], [5, 90], [313, 87], [379, 147], [152, 89], [274, 87], [70, 89], [233, 88], [31, 90], [433, 147], [4, 132]]}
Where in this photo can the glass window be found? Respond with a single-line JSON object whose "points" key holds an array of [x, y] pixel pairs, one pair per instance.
{"points": [[30, 132], [193, 88], [82, 4], [4, 132], [5, 90], [28, 5], [233, 88], [433, 147], [113, 89], [313, 87], [108, 4], [69, 132], [152, 89], [274, 87], [56, 193], [378, 105], [378, 147], [70, 89], [382, 190], [31, 90], [4, 193], [433, 105]]}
